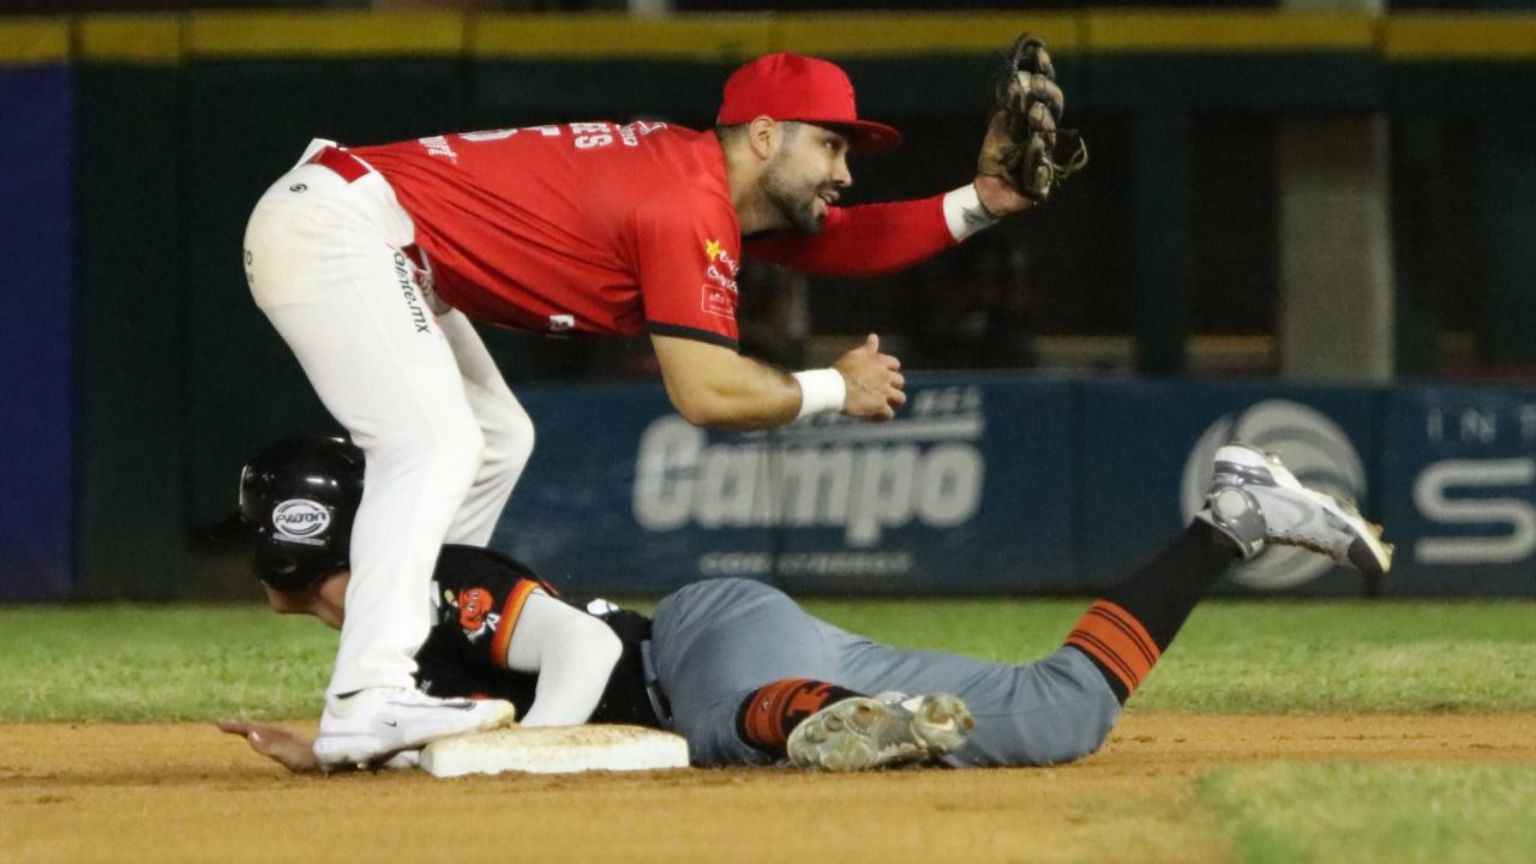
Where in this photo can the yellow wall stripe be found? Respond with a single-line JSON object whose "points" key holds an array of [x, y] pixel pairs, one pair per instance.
{"points": [[1230, 32], [34, 40], [878, 34], [1479, 37], [325, 34], [596, 37], [148, 39], [1482, 37]]}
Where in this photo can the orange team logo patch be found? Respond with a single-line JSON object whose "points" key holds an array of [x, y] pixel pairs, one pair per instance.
{"points": [[474, 604]]}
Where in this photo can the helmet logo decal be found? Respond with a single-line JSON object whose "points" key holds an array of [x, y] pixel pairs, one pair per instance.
{"points": [[300, 520]]}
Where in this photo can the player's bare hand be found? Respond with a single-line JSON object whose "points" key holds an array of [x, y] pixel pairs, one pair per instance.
{"points": [[288, 749], [874, 381]]}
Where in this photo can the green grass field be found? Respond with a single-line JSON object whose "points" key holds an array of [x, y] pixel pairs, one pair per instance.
{"points": [[155, 663], [1377, 814], [161, 663]]}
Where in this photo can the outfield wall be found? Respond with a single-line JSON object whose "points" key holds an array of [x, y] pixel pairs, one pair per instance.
{"points": [[37, 412], [143, 375]]}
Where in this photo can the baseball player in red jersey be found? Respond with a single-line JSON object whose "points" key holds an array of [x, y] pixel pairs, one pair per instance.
{"points": [[370, 263]]}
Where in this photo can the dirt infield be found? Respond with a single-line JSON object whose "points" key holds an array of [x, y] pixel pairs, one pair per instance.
{"points": [[188, 793]]}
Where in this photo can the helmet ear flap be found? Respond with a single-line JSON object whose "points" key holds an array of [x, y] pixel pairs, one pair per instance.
{"points": [[302, 495], [279, 569]]}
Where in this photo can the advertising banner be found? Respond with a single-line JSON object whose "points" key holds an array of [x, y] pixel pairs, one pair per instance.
{"points": [[36, 339], [1000, 485], [1147, 454], [1460, 496], [965, 492]]}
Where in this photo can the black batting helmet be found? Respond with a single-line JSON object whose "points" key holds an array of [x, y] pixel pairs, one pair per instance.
{"points": [[302, 495]]}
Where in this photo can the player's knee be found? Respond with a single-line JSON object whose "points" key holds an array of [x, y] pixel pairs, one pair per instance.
{"points": [[737, 589], [1086, 732], [593, 643], [447, 455], [509, 437], [458, 454]]}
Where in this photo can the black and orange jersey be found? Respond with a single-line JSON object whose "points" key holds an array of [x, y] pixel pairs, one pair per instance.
{"points": [[477, 598]]}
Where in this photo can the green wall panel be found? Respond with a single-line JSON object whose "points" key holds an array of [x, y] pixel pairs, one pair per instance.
{"points": [[518, 93], [1162, 194], [945, 84], [1508, 158], [1418, 270], [131, 507], [689, 92], [245, 124], [1459, 89], [1256, 81]]}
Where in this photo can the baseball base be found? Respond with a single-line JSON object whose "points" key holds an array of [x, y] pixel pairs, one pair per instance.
{"points": [[555, 750]]}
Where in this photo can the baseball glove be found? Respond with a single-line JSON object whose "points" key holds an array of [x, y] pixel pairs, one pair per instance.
{"points": [[1022, 141]]}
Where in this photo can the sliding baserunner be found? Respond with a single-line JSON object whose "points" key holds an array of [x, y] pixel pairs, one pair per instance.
{"points": [[747, 676]]}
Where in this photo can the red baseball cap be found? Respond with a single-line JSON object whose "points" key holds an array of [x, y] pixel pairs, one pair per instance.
{"points": [[789, 86]]}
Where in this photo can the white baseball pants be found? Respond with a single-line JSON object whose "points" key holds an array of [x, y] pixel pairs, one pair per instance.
{"points": [[331, 261]]}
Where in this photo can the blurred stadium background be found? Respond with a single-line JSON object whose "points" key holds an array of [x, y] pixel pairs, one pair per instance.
{"points": [[1308, 224]]}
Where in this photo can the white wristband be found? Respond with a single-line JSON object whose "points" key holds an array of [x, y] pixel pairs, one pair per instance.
{"points": [[964, 213], [820, 390]]}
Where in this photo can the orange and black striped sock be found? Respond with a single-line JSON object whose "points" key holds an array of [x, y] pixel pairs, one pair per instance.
{"points": [[1117, 644], [772, 711], [1126, 631]]}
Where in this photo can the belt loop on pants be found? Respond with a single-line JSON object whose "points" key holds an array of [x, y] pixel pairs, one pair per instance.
{"points": [[348, 167], [659, 702]]}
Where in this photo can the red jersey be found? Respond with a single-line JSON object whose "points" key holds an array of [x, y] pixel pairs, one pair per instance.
{"points": [[609, 228]]}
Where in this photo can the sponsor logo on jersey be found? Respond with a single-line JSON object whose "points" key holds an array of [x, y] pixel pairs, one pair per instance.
{"points": [[720, 290], [561, 323], [438, 146], [717, 254], [718, 301], [301, 520], [1312, 446], [407, 278]]}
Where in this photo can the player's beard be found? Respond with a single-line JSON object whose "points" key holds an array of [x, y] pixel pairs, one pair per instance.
{"points": [[794, 199]]}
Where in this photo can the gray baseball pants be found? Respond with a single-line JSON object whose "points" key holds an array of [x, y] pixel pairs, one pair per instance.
{"points": [[715, 642]]}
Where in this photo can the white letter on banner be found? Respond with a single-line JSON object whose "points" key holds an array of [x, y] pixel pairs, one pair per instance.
{"points": [[885, 493], [728, 486], [949, 492], [1520, 517], [664, 473], [813, 486]]}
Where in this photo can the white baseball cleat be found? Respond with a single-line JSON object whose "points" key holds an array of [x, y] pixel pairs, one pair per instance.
{"points": [[861, 732], [370, 726], [1255, 500]]}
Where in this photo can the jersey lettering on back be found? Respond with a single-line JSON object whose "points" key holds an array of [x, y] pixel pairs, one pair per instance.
{"points": [[592, 227]]}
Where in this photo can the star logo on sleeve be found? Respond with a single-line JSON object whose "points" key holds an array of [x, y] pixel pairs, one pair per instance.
{"points": [[719, 287]]}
